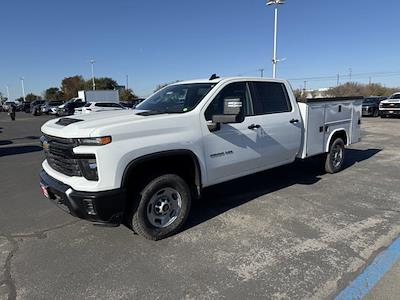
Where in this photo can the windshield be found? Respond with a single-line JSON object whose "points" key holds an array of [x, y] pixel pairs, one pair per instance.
{"points": [[176, 98], [370, 100], [395, 96]]}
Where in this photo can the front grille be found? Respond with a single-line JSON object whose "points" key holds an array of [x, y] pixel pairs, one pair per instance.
{"points": [[60, 155], [390, 105]]}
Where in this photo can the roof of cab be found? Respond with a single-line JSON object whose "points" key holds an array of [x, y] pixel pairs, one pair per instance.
{"points": [[224, 79]]}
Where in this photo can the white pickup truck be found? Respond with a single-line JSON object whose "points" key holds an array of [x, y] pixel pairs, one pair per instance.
{"points": [[143, 167]]}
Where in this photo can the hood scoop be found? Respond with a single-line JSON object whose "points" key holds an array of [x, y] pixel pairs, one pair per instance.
{"points": [[67, 121]]}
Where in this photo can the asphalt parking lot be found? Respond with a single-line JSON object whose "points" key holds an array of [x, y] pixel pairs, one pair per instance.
{"points": [[288, 233]]}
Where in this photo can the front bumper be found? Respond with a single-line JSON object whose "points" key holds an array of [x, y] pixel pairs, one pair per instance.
{"points": [[101, 207], [388, 112], [369, 111]]}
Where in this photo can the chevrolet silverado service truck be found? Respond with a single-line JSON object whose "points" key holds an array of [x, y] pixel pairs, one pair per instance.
{"points": [[143, 167]]}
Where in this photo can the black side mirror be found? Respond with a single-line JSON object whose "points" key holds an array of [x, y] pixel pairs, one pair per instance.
{"points": [[233, 112]]}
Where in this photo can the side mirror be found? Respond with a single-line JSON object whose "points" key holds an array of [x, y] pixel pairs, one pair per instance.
{"points": [[233, 112]]}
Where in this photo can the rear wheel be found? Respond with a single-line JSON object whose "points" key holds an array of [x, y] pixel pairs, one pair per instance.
{"points": [[163, 207], [335, 157]]}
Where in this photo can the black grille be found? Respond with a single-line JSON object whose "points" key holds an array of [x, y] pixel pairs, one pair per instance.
{"points": [[60, 156], [390, 105]]}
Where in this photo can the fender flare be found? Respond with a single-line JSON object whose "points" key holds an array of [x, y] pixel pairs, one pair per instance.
{"points": [[156, 155], [328, 143]]}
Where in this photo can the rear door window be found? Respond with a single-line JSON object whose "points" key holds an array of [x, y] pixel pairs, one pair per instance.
{"points": [[270, 98]]}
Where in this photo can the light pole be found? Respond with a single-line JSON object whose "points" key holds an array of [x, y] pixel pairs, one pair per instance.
{"points": [[8, 93], [23, 88], [92, 61], [274, 59]]}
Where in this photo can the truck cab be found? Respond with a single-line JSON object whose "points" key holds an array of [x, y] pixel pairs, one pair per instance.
{"points": [[144, 166]]}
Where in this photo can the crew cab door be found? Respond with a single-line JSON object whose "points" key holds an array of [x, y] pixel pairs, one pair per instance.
{"points": [[280, 126], [230, 150], [269, 136]]}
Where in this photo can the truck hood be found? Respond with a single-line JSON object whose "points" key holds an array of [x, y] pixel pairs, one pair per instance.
{"points": [[99, 123], [391, 101]]}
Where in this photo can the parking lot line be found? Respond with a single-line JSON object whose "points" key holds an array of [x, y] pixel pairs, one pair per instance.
{"points": [[364, 283]]}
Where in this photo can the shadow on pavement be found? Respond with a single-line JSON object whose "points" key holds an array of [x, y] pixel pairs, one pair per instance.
{"points": [[226, 196], [19, 150], [355, 156], [5, 142]]}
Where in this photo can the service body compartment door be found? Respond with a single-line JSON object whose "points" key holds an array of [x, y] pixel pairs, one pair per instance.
{"points": [[355, 134], [315, 129]]}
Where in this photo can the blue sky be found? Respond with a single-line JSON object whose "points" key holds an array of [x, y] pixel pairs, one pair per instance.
{"points": [[156, 41]]}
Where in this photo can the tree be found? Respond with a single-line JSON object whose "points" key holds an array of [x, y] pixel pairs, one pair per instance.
{"points": [[359, 89], [32, 97], [127, 95], [71, 85], [299, 93], [53, 93], [102, 83], [162, 85]]}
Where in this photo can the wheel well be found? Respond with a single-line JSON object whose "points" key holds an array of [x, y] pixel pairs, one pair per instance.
{"points": [[184, 164], [338, 134]]}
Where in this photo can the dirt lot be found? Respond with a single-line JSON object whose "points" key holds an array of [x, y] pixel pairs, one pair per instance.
{"points": [[288, 233]]}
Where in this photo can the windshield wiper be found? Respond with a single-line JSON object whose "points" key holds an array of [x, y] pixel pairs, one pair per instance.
{"points": [[156, 112], [149, 113]]}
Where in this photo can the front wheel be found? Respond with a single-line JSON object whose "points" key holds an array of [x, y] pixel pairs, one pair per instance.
{"points": [[376, 113], [163, 207], [335, 157]]}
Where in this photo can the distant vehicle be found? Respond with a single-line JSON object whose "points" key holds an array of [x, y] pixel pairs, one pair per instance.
{"points": [[68, 108], [132, 103], [6, 105], [35, 107], [390, 106], [370, 106], [25, 106], [49, 105], [101, 106], [71, 105]]}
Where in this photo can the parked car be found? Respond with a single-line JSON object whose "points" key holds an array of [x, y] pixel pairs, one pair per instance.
{"points": [[25, 106], [390, 106], [370, 106], [7, 104], [35, 107], [144, 166], [68, 108], [100, 107], [49, 105], [127, 104]]}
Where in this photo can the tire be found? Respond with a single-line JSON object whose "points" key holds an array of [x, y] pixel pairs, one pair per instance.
{"points": [[376, 113], [162, 208], [335, 157]]}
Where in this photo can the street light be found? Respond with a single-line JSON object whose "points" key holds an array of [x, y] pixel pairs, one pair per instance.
{"points": [[8, 93], [93, 83], [274, 59], [23, 88]]}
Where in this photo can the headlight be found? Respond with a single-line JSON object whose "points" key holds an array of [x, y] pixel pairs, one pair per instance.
{"points": [[88, 167], [94, 141]]}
